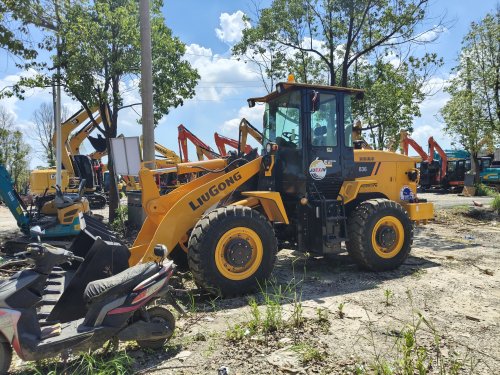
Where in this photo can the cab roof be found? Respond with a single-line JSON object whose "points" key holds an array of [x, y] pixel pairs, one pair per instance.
{"points": [[283, 87]]}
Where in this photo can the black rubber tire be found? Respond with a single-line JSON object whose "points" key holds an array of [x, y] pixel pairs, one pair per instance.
{"points": [[203, 242], [360, 225], [159, 314], [180, 259], [5, 356]]}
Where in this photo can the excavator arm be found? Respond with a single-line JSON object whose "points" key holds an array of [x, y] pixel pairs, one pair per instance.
{"points": [[13, 201], [202, 149], [67, 127], [434, 146], [221, 142], [245, 129], [407, 141]]}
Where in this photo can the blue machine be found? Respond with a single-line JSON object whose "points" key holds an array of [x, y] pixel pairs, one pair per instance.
{"points": [[25, 219]]}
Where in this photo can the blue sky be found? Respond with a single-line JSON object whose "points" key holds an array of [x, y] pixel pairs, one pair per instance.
{"points": [[209, 28]]}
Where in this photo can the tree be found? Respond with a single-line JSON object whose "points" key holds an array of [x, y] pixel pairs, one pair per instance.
{"points": [[100, 51], [14, 153], [335, 33], [394, 90], [472, 115], [43, 117]]}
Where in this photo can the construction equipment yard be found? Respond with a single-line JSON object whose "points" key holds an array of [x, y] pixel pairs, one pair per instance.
{"points": [[331, 317]]}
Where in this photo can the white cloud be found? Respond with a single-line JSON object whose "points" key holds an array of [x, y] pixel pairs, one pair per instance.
{"points": [[431, 35], [220, 77], [231, 27], [253, 115]]}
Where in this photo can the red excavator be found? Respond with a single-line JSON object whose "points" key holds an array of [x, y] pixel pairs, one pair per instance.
{"points": [[221, 142], [452, 169], [429, 169], [202, 149]]}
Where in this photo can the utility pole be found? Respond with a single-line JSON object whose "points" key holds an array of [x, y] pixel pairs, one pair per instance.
{"points": [[57, 105], [147, 84]]}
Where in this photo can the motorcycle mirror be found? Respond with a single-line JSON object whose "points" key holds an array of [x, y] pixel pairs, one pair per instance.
{"points": [[160, 251], [37, 232]]}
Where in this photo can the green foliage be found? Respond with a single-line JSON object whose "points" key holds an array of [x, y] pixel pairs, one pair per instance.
{"points": [[309, 353], [118, 363], [119, 224], [483, 190], [472, 114], [388, 294], [99, 57], [496, 203], [14, 152], [340, 310]]}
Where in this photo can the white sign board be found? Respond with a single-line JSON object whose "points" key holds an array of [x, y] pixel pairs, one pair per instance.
{"points": [[126, 153]]}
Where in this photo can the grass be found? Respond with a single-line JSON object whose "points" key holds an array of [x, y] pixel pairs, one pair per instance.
{"points": [[496, 203], [309, 353], [117, 363], [416, 349], [389, 295]]}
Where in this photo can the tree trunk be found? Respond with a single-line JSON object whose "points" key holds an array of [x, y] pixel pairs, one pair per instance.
{"points": [[475, 168], [114, 196]]}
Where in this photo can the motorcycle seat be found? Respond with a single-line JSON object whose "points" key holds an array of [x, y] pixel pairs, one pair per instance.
{"points": [[121, 282]]}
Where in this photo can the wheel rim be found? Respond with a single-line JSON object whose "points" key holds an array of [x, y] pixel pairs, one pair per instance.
{"points": [[388, 237], [238, 253]]}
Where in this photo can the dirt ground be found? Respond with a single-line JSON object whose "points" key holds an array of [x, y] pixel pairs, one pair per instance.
{"points": [[440, 309]]}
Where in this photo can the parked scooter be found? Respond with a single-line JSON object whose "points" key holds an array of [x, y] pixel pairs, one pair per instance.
{"points": [[120, 306]]}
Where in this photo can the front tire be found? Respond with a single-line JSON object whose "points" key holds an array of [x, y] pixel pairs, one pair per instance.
{"points": [[380, 235], [5, 356], [158, 314], [232, 250]]}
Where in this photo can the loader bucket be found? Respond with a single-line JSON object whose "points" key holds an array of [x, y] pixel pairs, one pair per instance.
{"points": [[102, 259]]}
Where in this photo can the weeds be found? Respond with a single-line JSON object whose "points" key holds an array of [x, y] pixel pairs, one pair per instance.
{"points": [[340, 310], [309, 353], [119, 225], [323, 320], [389, 295], [89, 363], [483, 190], [495, 204]]}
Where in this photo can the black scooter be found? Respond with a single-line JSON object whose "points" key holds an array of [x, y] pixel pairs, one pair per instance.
{"points": [[120, 306]]}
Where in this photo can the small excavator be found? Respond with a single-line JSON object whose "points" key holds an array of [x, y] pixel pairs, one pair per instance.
{"points": [[76, 167]]}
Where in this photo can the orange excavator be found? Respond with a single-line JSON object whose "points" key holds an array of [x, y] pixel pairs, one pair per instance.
{"points": [[221, 142], [202, 149], [429, 169], [452, 169]]}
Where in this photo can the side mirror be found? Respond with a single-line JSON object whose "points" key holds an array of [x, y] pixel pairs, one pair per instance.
{"points": [[160, 251], [315, 99], [37, 232]]}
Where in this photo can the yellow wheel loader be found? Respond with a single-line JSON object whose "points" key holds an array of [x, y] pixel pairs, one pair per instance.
{"points": [[310, 189]]}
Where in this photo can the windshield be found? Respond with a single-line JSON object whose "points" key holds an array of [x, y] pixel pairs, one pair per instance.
{"points": [[282, 121]]}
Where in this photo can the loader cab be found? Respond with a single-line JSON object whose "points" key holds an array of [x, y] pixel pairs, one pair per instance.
{"points": [[312, 128]]}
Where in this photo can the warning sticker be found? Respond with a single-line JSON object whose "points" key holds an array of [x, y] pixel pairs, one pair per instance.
{"points": [[317, 169]]}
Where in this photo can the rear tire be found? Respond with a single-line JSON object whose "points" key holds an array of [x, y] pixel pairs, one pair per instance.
{"points": [[160, 315], [232, 250], [5, 356], [380, 235]]}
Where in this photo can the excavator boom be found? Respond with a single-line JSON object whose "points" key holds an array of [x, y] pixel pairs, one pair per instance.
{"points": [[245, 129], [221, 142], [434, 146], [202, 149], [406, 141]]}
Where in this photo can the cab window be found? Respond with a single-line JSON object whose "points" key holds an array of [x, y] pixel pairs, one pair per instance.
{"points": [[282, 121], [324, 122], [348, 122]]}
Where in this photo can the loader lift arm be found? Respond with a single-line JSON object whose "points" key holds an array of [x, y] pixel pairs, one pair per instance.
{"points": [[407, 141], [221, 142], [433, 145], [202, 149]]}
